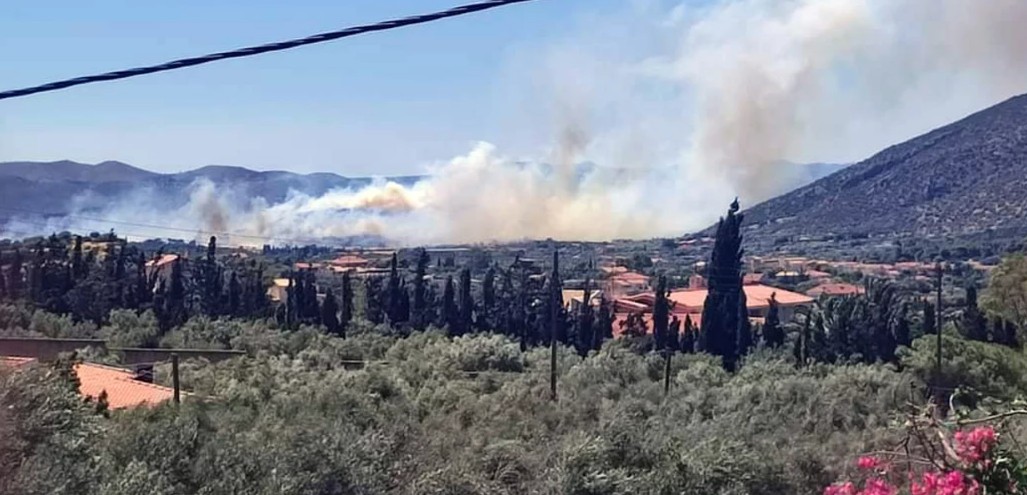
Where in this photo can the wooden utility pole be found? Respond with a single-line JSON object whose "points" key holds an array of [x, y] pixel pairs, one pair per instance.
{"points": [[174, 377], [939, 324], [938, 319], [555, 297], [666, 372]]}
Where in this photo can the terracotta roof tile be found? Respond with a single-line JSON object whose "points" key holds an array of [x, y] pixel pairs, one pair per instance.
{"points": [[123, 390]]}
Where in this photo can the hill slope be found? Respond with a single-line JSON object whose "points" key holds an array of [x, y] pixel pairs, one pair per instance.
{"points": [[49, 188], [968, 177]]}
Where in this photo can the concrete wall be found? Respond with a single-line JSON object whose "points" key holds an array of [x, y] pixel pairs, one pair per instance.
{"points": [[49, 349]]}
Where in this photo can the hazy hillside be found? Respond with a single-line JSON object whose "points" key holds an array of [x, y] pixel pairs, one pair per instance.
{"points": [[967, 177], [48, 187]]}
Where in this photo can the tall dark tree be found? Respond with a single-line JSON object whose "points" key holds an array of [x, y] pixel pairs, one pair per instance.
{"points": [[745, 339], [234, 295], [928, 326], [486, 314], [211, 280], [330, 313], [661, 314], [800, 350], [585, 330], [973, 325], [419, 311], [450, 316], [902, 331], [374, 305], [720, 322], [174, 299], [15, 276], [393, 295], [773, 334], [674, 334], [604, 324], [346, 308], [466, 303], [688, 336], [311, 309], [78, 265], [1004, 333]]}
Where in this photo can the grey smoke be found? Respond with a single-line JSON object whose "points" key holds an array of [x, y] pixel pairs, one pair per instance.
{"points": [[682, 107]]}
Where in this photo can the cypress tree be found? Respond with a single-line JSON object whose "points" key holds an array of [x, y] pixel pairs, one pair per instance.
{"points": [[902, 333], [674, 334], [234, 295], [419, 316], [174, 299], [449, 318], [1004, 333], [720, 316], [486, 316], [661, 314], [800, 350], [211, 279], [773, 334], [928, 326], [745, 340], [403, 308], [330, 313], [14, 276], [78, 267], [466, 303], [585, 324], [604, 324], [374, 305], [392, 295], [973, 324], [688, 336], [311, 309], [346, 309]]}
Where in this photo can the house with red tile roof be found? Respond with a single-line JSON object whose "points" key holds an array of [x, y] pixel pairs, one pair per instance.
{"points": [[690, 302], [835, 289], [626, 283], [349, 261], [122, 388]]}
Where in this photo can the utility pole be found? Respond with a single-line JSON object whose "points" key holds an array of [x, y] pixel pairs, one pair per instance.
{"points": [[174, 377], [666, 372], [555, 298], [939, 317], [939, 325]]}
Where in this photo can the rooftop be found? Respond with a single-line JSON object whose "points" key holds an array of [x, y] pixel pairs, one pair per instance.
{"points": [[835, 289], [123, 390]]}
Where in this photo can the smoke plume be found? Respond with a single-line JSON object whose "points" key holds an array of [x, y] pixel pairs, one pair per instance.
{"points": [[676, 108]]}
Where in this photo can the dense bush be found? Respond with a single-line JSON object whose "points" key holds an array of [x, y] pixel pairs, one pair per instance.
{"points": [[435, 414]]}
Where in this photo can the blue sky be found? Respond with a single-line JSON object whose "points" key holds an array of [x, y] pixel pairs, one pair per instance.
{"points": [[382, 103]]}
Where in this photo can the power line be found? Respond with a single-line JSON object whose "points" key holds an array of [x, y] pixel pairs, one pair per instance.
{"points": [[257, 50]]}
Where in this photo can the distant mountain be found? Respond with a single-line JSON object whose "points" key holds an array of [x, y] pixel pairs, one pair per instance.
{"points": [[48, 187], [966, 178]]}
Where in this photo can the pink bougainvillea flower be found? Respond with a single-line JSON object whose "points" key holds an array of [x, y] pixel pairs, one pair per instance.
{"points": [[973, 446], [877, 486], [869, 463], [846, 488]]}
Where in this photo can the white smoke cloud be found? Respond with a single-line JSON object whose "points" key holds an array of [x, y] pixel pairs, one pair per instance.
{"points": [[681, 107]]}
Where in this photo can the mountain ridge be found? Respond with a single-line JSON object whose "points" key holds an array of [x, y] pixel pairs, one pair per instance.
{"points": [[966, 177]]}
